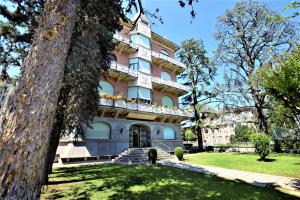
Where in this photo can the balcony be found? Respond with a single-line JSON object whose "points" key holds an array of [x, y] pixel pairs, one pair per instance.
{"points": [[167, 62], [125, 73], [125, 45], [169, 86], [144, 111], [122, 72]]}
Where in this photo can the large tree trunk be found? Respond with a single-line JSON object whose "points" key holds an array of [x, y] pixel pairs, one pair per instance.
{"points": [[26, 130], [258, 103]]}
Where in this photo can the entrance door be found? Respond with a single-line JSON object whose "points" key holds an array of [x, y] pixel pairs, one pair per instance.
{"points": [[139, 136], [136, 137]]}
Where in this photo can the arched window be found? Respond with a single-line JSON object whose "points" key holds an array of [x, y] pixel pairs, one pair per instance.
{"points": [[100, 130], [113, 60], [169, 133], [106, 88], [167, 101], [165, 76], [164, 52]]}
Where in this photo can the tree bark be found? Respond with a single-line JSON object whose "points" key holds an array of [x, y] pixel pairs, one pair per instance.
{"points": [[197, 118], [258, 103], [26, 129]]}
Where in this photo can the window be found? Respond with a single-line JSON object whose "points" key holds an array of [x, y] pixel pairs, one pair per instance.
{"points": [[164, 52], [141, 65], [134, 39], [134, 64], [144, 66], [167, 101], [112, 59], [141, 40], [169, 133], [106, 88], [100, 130], [144, 41], [142, 94], [165, 76]]}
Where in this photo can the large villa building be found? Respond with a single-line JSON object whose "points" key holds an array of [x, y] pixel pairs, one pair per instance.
{"points": [[138, 98], [227, 121]]}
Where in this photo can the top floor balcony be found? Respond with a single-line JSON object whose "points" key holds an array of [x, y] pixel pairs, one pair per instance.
{"points": [[125, 45], [167, 62]]}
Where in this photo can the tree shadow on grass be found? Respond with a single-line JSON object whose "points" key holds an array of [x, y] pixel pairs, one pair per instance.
{"points": [[266, 160], [152, 182]]}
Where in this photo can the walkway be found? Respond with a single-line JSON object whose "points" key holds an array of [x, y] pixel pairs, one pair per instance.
{"points": [[258, 179]]}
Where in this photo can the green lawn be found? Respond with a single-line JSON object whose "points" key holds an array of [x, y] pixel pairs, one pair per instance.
{"points": [[149, 182], [278, 164]]}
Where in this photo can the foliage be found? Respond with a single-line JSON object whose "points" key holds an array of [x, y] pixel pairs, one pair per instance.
{"points": [[189, 135], [16, 31], [198, 76], [282, 81], [241, 133], [279, 164], [247, 41], [179, 153], [152, 156], [261, 144]]}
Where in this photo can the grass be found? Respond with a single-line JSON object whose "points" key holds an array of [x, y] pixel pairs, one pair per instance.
{"points": [[149, 182], [277, 164]]}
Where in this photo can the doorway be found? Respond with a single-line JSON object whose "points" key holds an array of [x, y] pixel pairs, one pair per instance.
{"points": [[139, 136]]}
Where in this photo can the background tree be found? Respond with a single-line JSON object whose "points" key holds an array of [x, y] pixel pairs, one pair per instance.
{"points": [[248, 39], [281, 80], [198, 76], [241, 133]]}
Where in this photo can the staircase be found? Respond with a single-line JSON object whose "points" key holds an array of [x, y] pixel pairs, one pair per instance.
{"points": [[139, 156]]}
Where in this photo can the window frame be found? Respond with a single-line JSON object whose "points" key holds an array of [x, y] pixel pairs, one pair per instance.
{"points": [[174, 133], [140, 100], [113, 88], [164, 52], [167, 97]]}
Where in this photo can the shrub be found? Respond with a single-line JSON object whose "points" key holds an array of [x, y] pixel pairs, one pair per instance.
{"points": [[209, 148], [152, 156], [179, 153], [189, 135], [261, 143]]}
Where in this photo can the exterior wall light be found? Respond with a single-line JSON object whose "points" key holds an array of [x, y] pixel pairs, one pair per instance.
{"points": [[158, 131], [121, 130]]}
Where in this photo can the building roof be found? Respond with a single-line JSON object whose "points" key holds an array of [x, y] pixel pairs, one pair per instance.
{"points": [[165, 41]]}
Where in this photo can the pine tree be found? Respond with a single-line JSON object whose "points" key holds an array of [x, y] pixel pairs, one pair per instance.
{"points": [[197, 75]]}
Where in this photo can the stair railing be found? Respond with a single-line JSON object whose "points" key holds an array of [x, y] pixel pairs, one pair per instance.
{"points": [[169, 149]]}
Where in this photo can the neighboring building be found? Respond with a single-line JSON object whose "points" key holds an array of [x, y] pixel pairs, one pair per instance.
{"points": [[226, 122], [6, 89], [138, 99]]}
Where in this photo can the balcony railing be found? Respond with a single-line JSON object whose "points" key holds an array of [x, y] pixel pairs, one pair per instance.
{"points": [[125, 40], [170, 83], [134, 73], [125, 69], [145, 108], [169, 59]]}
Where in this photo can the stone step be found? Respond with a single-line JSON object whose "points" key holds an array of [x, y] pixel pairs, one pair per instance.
{"points": [[140, 155]]}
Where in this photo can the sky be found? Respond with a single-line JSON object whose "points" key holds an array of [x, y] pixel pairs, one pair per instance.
{"points": [[177, 24]]}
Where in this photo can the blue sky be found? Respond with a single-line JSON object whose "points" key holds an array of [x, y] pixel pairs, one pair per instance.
{"points": [[177, 24]]}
